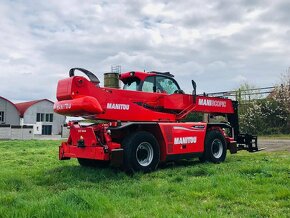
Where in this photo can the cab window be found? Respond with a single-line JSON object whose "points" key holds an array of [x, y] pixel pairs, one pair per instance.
{"points": [[132, 84], [148, 84], [166, 85]]}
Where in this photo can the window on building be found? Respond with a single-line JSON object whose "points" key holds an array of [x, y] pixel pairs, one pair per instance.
{"points": [[2, 116], [38, 117], [46, 117], [50, 117], [42, 117]]}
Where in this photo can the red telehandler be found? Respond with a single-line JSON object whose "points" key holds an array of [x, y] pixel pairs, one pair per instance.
{"points": [[142, 123]]}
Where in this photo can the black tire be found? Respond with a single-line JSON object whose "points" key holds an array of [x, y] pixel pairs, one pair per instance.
{"points": [[141, 152], [215, 149], [92, 163]]}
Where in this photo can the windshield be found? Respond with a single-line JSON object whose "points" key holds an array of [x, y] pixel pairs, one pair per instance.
{"points": [[165, 85]]}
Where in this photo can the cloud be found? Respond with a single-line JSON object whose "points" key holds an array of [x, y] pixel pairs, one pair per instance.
{"points": [[240, 79], [220, 44]]}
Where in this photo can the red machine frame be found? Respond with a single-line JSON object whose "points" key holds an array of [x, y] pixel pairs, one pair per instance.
{"points": [[156, 115]]}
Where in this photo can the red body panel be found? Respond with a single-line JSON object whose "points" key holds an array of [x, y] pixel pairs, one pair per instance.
{"points": [[182, 138], [72, 151], [97, 144], [81, 105]]}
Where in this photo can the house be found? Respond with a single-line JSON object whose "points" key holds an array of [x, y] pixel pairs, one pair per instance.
{"points": [[9, 113], [40, 114]]}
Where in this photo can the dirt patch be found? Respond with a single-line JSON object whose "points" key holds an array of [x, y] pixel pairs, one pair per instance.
{"points": [[274, 144]]}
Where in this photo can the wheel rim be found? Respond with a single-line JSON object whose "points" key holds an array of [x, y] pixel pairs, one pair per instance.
{"points": [[217, 148], [144, 154]]}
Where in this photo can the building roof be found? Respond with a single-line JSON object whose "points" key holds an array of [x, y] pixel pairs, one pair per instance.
{"points": [[5, 99], [23, 106]]}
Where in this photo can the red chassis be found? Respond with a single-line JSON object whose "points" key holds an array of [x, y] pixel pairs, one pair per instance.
{"points": [[143, 124]]}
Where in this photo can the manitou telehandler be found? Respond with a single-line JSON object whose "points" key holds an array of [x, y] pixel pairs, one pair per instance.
{"points": [[141, 125]]}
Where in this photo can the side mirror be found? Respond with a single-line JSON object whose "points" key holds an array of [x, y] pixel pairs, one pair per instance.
{"points": [[194, 87], [194, 90]]}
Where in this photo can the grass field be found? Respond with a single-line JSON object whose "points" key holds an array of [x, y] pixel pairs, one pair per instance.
{"points": [[33, 183]]}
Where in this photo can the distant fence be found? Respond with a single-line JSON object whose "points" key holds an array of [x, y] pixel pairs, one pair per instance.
{"points": [[16, 132], [246, 94]]}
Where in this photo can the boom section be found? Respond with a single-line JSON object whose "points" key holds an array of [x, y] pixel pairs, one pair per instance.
{"points": [[78, 96]]}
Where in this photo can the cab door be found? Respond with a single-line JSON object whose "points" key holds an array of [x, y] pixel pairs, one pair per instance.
{"points": [[160, 84]]}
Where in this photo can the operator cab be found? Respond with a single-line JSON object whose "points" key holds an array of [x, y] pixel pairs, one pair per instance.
{"points": [[150, 82]]}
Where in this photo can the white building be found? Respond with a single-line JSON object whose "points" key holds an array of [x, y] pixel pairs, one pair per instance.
{"points": [[8, 112], [40, 114]]}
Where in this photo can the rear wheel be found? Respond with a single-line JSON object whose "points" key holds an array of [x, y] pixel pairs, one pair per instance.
{"points": [[92, 163], [141, 152], [215, 148]]}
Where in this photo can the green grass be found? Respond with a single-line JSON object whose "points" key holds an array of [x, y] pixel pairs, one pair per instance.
{"points": [[275, 136], [33, 183]]}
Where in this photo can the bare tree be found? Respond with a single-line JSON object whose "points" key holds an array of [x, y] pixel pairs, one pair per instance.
{"points": [[247, 92]]}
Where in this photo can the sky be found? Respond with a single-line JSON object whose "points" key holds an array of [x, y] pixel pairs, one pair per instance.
{"points": [[220, 44]]}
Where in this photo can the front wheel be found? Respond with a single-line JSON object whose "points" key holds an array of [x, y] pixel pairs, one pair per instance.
{"points": [[215, 148], [141, 152]]}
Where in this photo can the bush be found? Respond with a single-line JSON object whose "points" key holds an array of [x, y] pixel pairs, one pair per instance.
{"points": [[267, 116], [194, 117]]}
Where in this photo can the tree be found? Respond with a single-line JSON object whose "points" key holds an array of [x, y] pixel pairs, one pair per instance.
{"points": [[251, 118], [266, 117], [245, 94], [281, 93], [275, 116]]}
